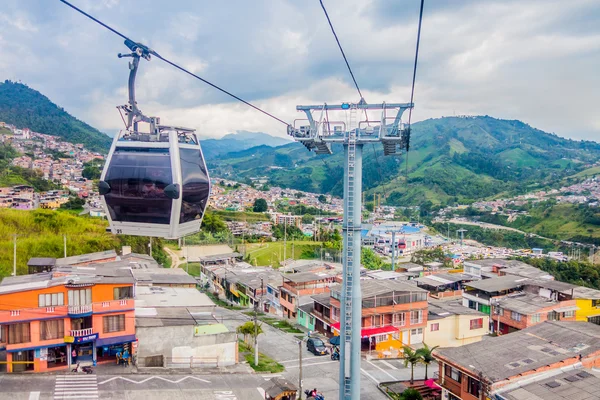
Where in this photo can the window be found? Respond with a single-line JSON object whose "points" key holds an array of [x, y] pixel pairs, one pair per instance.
{"points": [[123, 293], [114, 323], [416, 317], [595, 303], [311, 320], [435, 327], [416, 331], [18, 333], [452, 373], [399, 319], [52, 329], [569, 314], [80, 297], [500, 311], [472, 305], [195, 185], [515, 315], [51, 299], [473, 386], [476, 323], [536, 318], [300, 313]]}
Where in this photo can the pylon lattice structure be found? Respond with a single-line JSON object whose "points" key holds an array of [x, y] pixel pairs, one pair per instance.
{"points": [[318, 135]]}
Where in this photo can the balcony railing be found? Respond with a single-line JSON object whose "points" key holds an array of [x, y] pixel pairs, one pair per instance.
{"points": [[84, 309], [82, 332]]}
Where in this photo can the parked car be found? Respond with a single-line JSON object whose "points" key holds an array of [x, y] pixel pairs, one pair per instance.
{"points": [[316, 346]]}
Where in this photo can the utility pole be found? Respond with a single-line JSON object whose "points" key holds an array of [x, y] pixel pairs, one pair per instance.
{"points": [[318, 138], [393, 249], [187, 265], [300, 372], [150, 246], [462, 235], [256, 331], [285, 240], [15, 254]]}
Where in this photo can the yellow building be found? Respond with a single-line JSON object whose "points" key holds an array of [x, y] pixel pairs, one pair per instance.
{"points": [[450, 324], [588, 304]]}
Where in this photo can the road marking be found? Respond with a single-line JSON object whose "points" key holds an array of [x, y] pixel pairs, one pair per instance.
{"points": [[224, 394], [369, 375], [68, 387], [268, 377], [303, 359], [388, 364], [36, 396], [308, 365], [382, 370], [152, 377]]}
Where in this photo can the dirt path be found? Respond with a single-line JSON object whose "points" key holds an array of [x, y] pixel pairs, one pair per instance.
{"points": [[175, 261]]}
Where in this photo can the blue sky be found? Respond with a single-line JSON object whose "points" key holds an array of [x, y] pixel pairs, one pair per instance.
{"points": [[533, 60]]}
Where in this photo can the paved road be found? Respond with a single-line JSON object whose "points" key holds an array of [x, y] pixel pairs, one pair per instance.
{"points": [[320, 372]]}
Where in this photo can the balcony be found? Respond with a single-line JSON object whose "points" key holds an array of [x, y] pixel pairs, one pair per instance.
{"points": [[80, 310], [114, 305], [82, 332]]}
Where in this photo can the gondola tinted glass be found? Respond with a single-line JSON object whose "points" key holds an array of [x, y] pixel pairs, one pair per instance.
{"points": [[137, 179], [195, 185]]}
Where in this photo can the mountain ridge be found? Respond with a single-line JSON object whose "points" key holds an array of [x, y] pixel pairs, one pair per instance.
{"points": [[25, 107]]}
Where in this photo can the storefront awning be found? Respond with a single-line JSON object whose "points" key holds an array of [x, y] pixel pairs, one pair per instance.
{"points": [[368, 332], [115, 340]]}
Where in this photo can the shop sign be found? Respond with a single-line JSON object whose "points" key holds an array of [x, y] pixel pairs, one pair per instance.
{"points": [[88, 338], [42, 354], [135, 344], [69, 339]]}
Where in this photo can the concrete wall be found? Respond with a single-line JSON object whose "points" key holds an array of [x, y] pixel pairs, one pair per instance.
{"points": [[179, 343]]}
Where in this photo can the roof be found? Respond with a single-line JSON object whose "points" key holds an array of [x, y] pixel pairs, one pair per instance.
{"points": [[41, 262], [442, 279], [554, 285], [445, 308], [526, 303], [277, 386], [83, 258], [526, 271], [509, 355], [307, 308], [498, 284], [323, 298], [163, 276], [578, 384], [376, 287], [581, 292], [303, 277], [219, 257], [490, 262], [159, 296]]}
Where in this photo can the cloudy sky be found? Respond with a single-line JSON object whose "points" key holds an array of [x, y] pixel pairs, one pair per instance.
{"points": [[533, 60]]}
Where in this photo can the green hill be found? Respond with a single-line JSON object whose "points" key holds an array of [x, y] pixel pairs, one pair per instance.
{"points": [[27, 108], [451, 160], [40, 234]]}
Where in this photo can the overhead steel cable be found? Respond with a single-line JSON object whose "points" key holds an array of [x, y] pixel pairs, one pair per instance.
{"points": [[154, 53], [412, 91], [341, 49]]}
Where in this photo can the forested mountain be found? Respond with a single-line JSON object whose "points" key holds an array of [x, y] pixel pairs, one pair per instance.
{"points": [[452, 159], [242, 140], [25, 107]]}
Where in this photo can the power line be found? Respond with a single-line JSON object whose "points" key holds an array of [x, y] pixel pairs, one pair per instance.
{"points": [[175, 65], [342, 50]]}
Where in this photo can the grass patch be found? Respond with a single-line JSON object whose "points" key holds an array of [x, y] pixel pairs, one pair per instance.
{"points": [[273, 252], [282, 325], [241, 216], [192, 268], [265, 363]]}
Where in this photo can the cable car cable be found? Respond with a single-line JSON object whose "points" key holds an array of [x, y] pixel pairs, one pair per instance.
{"points": [[174, 64], [340, 46], [412, 91]]}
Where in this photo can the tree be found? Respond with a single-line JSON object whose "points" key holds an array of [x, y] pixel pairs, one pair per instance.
{"points": [[299, 195], [322, 198], [213, 223], [247, 329], [370, 260], [91, 170], [426, 354], [369, 206], [74, 203], [411, 357], [307, 219], [411, 394], [260, 205]]}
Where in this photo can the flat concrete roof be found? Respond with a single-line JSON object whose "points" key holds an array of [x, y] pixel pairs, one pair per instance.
{"points": [[580, 384], [509, 355], [163, 276], [376, 287], [160, 296], [90, 257], [526, 303], [303, 277], [444, 308], [498, 284]]}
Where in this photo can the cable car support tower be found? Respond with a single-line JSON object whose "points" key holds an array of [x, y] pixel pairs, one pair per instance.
{"points": [[318, 136]]}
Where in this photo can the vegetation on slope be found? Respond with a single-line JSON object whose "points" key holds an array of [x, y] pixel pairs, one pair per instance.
{"points": [[27, 108], [40, 234], [575, 272]]}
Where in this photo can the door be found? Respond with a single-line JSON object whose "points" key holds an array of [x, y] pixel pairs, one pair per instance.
{"points": [[416, 336]]}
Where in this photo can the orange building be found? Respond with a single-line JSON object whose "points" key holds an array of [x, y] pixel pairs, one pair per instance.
{"points": [[394, 313], [45, 317]]}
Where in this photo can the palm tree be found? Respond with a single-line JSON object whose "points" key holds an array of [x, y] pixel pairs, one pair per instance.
{"points": [[247, 329], [426, 356], [411, 357]]}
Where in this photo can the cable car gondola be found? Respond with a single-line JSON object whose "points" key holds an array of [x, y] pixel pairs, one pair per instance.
{"points": [[154, 183]]}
